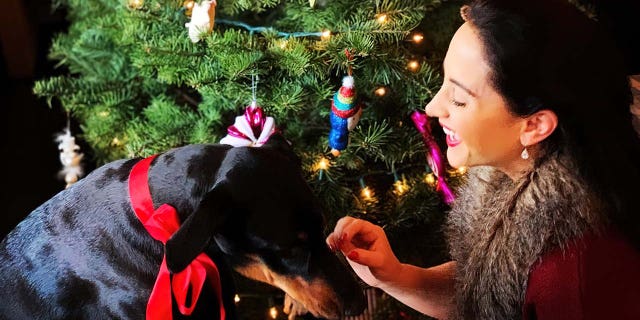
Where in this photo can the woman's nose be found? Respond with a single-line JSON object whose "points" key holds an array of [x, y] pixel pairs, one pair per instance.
{"points": [[436, 108]]}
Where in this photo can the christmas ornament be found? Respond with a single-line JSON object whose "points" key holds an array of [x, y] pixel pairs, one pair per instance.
{"points": [[69, 157], [202, 19], [434, 155], [136, 4], [188, 6], [252, 129], [345, 113]]}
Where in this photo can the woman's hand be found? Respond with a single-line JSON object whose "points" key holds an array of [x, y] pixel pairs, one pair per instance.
{"points": [[367, 250]]}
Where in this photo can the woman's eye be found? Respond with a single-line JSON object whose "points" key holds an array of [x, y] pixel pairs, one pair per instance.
{"points": [[458, 103]]}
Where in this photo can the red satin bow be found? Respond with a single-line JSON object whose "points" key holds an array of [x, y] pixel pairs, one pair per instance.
{"points": [[161, 223]]}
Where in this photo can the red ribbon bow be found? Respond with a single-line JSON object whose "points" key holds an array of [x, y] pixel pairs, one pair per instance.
{"points": [[434, 155], [161, 223]]}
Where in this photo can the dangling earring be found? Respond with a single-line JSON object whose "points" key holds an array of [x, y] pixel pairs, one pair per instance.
{"points": [[525, 154]]}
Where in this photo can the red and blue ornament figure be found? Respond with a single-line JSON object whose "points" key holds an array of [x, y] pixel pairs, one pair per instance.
{"points": [[345, 113]]}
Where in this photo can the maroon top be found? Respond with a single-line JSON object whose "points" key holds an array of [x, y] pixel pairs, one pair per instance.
{"points": [[595, 277]]}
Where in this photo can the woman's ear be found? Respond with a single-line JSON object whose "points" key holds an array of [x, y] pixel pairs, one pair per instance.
{"points": [[538, 127]]}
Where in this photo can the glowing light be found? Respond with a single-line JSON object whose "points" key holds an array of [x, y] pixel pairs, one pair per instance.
{"points": [[401, 187], [136, 4], [283, 44], [326, 34], [323, 164], [414, 65], [115, 141], [382, 18], [430, 179], [381, 91], [103, 114], [366, 193], [462, 170], [418, 37], [236, 298], [189, 4], [273, 312]]}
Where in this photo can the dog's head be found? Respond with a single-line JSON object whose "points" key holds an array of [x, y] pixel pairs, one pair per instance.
{"points": [[263, 216]]}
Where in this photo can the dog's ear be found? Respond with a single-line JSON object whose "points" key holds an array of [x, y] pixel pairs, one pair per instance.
{"points": [[278, 142], [196, 231]]}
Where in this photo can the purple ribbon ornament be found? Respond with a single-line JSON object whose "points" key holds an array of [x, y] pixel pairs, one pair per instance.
{"points": [[434, 155]]}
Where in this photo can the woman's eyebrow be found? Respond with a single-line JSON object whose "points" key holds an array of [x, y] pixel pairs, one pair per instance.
{"points": [[457, 83]]}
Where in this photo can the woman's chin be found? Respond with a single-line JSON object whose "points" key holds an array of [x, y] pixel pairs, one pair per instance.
{"points": [[455, 159]]}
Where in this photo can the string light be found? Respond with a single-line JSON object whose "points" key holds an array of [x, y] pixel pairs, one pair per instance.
{"points": [[366, 192], [283, 44], [236, 298], [414, 65], [462, 170], [273, 312], [381, 91], [418, 37], [382, 18], [430, 179], [115, 141], [326, 34], [136, 4], [400, 185], [103, 114], [322, 165]]}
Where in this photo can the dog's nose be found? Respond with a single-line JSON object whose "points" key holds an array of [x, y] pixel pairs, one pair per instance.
{"points": [[355, 306]]}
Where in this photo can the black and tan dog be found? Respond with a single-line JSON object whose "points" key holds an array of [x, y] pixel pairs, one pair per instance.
{"points": [[84, 255]]}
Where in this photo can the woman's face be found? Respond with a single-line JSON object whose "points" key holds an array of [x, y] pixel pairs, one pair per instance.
{"points": [[479, 128]]}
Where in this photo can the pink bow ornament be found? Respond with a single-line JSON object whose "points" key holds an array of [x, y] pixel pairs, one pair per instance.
{"points": [[252, 129]]}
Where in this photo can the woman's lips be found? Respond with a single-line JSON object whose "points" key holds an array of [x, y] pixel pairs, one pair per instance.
{"points": [[452, 137]]}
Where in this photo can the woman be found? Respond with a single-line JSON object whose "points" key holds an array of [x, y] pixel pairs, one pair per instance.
{"points": [[535, 100]]}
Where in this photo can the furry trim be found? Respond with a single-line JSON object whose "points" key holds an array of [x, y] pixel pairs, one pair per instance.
{"points": [[498, 228]]}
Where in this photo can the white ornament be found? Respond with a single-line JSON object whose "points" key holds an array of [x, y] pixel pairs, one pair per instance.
{"points": [[69, 157], [202, 16]]}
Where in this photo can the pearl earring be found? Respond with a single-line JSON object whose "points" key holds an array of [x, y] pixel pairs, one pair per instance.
{"points": [[525, 154]]}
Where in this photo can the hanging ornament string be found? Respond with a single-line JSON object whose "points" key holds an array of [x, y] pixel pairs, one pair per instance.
{"points": [[69, 156], [345, 111], [434, 155]]}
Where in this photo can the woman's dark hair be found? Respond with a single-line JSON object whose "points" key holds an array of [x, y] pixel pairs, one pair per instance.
{"points": [[546, 54]]}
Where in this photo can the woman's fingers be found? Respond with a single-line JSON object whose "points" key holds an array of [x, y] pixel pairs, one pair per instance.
{"points": [[351, 233], [368, 258]]}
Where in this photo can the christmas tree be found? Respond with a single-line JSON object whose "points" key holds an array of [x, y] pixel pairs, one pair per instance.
{"points": [[143, 76]]}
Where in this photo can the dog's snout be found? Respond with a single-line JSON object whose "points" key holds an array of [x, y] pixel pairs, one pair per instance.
{"points": [[355, 306]]}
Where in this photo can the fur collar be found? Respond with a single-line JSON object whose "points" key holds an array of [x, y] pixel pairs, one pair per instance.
{"points": [[498, 228]]}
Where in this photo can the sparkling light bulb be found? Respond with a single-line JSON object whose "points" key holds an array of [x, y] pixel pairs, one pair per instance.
{"points": [[323, 164], [414, 65], [382, 18], [381, 91], [418, 37], [430, 179], [136, 4], [273, 312], [326, 34], [236, 298]]}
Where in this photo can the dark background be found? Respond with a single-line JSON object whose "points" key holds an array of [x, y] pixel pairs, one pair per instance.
{"points": [[29, 153]]}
